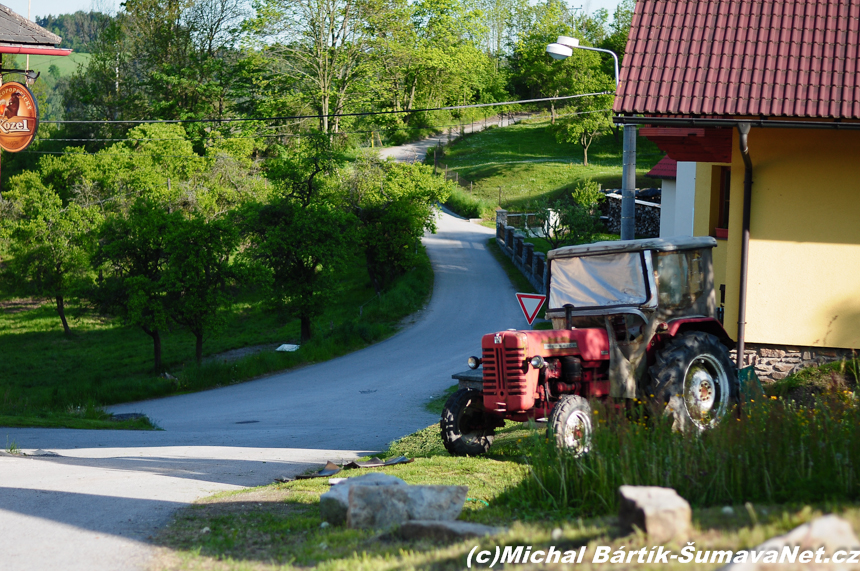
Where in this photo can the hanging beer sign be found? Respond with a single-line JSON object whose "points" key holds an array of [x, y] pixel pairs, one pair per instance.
{"points": [[19, 117]]}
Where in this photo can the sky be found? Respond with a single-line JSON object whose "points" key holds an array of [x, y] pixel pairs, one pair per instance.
{"points": [[54, 7]]}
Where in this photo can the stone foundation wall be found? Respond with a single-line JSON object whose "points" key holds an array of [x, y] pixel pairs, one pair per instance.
{"points": [[776, 362]]}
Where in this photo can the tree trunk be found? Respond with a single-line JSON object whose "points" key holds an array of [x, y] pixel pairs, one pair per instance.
{"points": [[198, 349], [61, 309], [156, 346], [552, 112], [306, 328]]}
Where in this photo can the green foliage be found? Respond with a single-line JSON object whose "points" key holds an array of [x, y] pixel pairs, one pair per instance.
{"points": [[812, 460], [590, 119], [50, 242], [133, 254], [573, 221], [301, 248], [394, 204], [78, 30], [198, 274]]}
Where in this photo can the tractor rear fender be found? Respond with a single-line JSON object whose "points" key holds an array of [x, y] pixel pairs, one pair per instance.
{"points": [[710, 325]]}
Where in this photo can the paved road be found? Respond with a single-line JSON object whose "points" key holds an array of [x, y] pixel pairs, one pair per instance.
{"points": [[415, 152], [94, 505]]}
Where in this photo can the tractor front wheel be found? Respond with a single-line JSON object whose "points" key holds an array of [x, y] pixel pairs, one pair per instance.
{"points": [[465, 427], [694, 381], [570, 422]]}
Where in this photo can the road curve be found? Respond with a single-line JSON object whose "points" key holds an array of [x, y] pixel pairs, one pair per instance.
{"points": [[93, 506]]}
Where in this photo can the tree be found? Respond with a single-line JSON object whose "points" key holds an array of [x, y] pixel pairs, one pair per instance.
{"points": [[133, 256], [322, 44], [535, 74], [395, 205], [51, 242], [582, 126], [301, 248], [198, 273], [573, 221]]}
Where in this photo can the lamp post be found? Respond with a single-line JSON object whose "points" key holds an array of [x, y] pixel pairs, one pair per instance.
{"points": [[562, 49]]}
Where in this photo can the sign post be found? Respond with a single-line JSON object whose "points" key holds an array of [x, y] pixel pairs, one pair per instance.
{"points": [[530, 303]]}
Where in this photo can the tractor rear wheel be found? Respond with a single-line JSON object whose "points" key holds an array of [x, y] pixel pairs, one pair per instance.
{"points": [[570, 422], [694, 381], [465, 429]]}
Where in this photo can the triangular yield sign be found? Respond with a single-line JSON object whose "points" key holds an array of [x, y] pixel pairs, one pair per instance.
{"points": [[530, 303]]}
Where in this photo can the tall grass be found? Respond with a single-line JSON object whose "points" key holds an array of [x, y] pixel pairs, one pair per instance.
{"points": [[772, 451], [470, 206]]}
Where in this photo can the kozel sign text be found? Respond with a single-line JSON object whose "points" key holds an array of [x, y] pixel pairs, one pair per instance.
{"points": [[19, 117]]}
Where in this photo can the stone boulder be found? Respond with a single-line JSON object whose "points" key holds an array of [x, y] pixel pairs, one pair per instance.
{"points": [[383, 507], [829, 532], [659, 512], [334, 504]]}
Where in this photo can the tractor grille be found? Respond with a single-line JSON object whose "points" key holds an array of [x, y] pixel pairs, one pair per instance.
{"points": [[504, 370]]}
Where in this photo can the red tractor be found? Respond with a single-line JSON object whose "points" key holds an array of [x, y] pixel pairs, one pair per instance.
{"points": [[633, 319]]}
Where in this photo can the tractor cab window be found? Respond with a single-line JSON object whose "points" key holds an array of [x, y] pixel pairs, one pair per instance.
{"points": [[680, 278]]}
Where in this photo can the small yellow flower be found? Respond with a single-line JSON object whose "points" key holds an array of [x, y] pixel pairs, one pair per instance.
{"points": [[772, 398], [595, 412]]}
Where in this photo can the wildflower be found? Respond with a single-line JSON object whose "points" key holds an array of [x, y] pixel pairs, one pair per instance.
{"points": [[595, 412]]}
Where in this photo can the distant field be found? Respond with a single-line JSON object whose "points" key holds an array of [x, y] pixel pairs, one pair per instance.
{"points": [[66, 64]]}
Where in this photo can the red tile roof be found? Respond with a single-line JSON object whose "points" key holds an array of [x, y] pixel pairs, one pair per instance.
{"points": [[790, 58], [665, 168]]}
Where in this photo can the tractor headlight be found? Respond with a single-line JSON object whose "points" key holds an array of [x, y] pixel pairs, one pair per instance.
{"points": [[538, 362], [474, 362]]}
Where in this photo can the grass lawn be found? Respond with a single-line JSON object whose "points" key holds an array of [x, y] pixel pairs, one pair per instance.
{"points": [[523, 163], [67, 65], [50, 379], [278, 526]]}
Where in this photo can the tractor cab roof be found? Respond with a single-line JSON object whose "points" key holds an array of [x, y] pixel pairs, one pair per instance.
{"points": [[619, 246]]}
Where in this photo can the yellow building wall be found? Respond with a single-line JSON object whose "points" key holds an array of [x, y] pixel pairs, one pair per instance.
{"points": [[804, 258]]}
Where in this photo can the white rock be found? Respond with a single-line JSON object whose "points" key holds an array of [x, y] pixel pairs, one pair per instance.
{"points": [[288, 348], [659, 512], [830, 532], [382, 507], [728, 510], [335, 503]]}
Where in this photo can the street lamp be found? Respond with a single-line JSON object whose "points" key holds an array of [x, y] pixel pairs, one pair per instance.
{"points": [[564, 46], [563, 49]]}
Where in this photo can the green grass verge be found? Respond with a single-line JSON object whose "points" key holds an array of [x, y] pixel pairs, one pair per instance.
{"points": [[515, 166], [278, 526], [46, 377], [437, 403]]}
